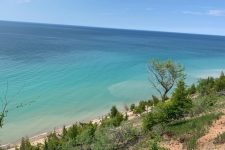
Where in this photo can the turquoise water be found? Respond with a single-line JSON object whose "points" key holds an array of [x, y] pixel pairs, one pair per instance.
{"points": [[64, 74]]}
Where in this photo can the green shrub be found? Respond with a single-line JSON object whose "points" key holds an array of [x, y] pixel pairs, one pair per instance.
{"points": [[140, 108], [175, 108], [26, 145], [192, 90], [132, 107], [206, 86], [113, 112], [180, 103], [192, 129], [73, 132], [109, 138], [114, 121], [220, 83], [53, 142]]}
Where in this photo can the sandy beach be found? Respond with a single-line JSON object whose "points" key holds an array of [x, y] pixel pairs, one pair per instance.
{"points": [[40, 138]]}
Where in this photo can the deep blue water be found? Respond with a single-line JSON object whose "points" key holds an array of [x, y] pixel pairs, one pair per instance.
{"points": [[62, 74]]}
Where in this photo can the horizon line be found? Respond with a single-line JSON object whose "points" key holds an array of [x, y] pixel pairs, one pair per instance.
{"points": [[112, 28]]}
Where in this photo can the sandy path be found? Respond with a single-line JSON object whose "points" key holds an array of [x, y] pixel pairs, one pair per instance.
{"points": [[172, 145], [206, 141]]}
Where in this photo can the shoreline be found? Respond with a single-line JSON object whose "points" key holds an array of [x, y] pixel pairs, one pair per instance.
{"points": [[40, 138]]}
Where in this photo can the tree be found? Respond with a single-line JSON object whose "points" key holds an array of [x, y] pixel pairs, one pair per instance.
{"points": [[206, 86], [192, 89], [220, 83], [180, 103], [114, 111], [163, 76]]}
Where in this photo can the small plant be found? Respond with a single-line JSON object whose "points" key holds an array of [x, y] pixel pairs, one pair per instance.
{"points": [[220, 139]]}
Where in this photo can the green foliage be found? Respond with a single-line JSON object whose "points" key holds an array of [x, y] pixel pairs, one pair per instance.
{"points": [[109, 138], [211, 85], [191, 130], [113, 112], [206, 86], [220, 139], [220, 83], [53, 142], [164, 74], [25, 145], [140, 108], [114, 121], [192, 90], [175, 108], [132, 106], [181, 104], [154, 117], [86, 136], [154, 145], [73, 132]]}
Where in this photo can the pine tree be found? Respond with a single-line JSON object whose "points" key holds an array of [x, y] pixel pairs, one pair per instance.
{"points": [[181, 102]]}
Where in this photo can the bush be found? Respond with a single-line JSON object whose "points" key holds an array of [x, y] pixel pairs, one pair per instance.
{"points": [[220, 83], [140, 108], [175, 108], [108, 138], [53, 142], [155, 117], [113, 112], [206, 86], [132, 106], [25, 145], [181, 104], [220, 139], [192, 90], [114, 121]]}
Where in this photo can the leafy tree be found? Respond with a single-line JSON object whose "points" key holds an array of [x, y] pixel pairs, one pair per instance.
{"points": [[164, 74]]}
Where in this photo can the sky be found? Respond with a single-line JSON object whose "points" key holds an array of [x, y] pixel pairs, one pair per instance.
{"points": [[187, 16]]}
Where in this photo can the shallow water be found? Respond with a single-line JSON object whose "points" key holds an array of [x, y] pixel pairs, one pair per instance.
{"points": [[62, 74]]}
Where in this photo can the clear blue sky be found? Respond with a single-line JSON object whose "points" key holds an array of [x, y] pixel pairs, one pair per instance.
{"points": [[190, 16]]}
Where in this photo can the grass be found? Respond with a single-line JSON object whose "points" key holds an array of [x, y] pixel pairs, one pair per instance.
{"points": [[220, 139], [188, 131]]}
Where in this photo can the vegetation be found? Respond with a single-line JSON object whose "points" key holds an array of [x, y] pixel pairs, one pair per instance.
{"points": [[185, 116], [173, 109], [188, 131], [211, 85], [220, 139], [165, 75]]}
